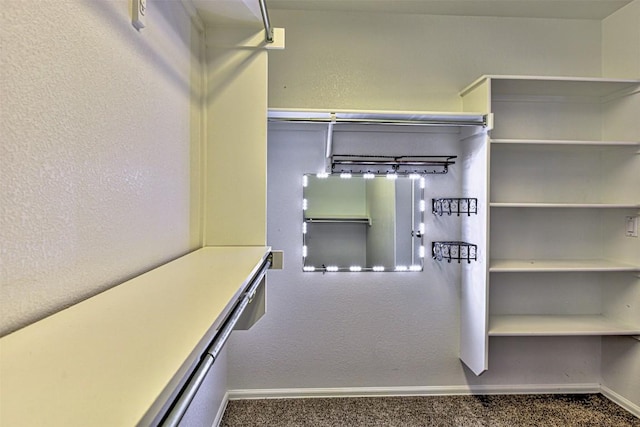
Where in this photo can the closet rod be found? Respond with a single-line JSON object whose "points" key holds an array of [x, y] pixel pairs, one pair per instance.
{"points": [[394, 122], [197, 377], [268, 30]]}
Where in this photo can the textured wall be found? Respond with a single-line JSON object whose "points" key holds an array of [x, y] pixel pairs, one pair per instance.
{"points": [[94, 160], [376, 329], [417, 62], [368, 330]]}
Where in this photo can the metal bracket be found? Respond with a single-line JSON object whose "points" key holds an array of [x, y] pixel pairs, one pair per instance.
{"points": [[277, 260], [329, 144], [488, 121]]}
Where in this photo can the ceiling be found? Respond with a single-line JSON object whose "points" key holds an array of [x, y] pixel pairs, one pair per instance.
{"points": [[248, 11]]}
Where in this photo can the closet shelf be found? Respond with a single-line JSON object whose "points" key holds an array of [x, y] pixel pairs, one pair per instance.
{"points": [[118, 357], [552, 265], [550, 86], [557, 325], [561, 142], [565, 205]]}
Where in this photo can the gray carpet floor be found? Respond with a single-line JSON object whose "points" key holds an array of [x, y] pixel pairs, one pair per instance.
{"points": [[461, 411]]}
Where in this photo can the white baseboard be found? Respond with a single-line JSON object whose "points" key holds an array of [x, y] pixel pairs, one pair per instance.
{"points": [[221, 409], [295, 393], [620, 400]]}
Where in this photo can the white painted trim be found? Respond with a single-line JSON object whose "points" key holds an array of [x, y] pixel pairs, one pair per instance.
{"points": [[295, 393], [193, 14], [221, 409], [620, 400]]}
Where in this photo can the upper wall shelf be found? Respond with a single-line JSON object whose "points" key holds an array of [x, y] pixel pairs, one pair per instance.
{"points": [[554, 86], [425, 118]]}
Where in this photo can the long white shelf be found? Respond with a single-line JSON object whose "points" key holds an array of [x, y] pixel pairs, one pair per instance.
{"points": [[553, 265], [115, 359], [561, 142], [310, 115], [565, 205], [554, 325], [553, 86]]}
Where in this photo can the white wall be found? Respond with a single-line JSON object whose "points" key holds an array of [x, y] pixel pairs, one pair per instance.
{"points": [[621, 43], [95, 153], [395, 330], [375, 329], [417, 62]]}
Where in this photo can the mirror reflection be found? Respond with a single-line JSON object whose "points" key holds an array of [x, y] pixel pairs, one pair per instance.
{"points": [[363, 223]]}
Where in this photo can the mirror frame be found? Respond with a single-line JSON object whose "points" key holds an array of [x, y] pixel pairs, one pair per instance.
{"points": [[416, 234]]}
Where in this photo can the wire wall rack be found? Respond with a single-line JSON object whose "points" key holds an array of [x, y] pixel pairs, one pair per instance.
{"points": [[454, 251], [402, 165], [454, 205]]}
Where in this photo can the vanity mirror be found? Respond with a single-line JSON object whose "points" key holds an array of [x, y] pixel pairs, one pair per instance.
{"points": [[363, 222]]}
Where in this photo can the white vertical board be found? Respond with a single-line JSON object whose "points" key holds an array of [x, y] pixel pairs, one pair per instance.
{"points": [[381, 235], [474, 340], [620, 366], [477, 96], [235, 195]]}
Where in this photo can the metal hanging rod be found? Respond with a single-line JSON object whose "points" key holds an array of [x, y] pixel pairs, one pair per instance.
{"points": [[393, 122], [268, 30], [187, 393]]}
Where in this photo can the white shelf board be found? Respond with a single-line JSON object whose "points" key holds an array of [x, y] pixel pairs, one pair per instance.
{"points": [[302, 114], [561, 142], [553, 86], [554, 265], [559, 86], [555, 325], [111, 359], [565, 205]]}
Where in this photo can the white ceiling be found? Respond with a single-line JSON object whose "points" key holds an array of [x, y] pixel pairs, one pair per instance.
{"points": [[248, 11]]}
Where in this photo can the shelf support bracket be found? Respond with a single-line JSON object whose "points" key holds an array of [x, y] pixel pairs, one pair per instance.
{"points": [[329, 144]]}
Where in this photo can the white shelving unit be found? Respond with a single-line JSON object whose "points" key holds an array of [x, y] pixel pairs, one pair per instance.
{"points": [[564, 172]]}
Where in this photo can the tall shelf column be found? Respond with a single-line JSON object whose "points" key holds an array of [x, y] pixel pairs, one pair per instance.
{"points": [[564, 173]]}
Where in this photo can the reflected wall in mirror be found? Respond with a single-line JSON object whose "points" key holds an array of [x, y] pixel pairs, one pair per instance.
{"points": [[363, 222]]}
